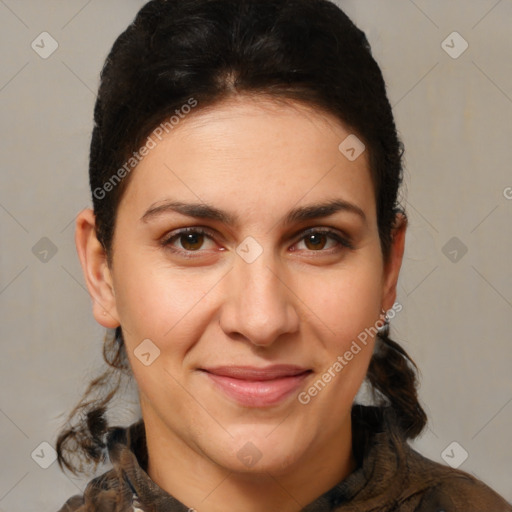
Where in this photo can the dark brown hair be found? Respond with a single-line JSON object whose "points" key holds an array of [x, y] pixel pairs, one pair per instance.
{"points": [[210, 50]]}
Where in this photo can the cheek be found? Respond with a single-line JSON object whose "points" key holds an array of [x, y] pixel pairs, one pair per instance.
{"points": [[347, 301], [350, 312], [156, 302]]}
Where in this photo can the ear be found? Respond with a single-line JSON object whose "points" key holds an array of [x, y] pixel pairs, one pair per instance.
{"points": [[98, 277], [394, 263]]}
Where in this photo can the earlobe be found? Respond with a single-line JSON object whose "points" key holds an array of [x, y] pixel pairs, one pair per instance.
{"points": [[97, 274], [393, 265]]}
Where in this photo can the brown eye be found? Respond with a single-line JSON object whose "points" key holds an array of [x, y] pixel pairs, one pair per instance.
{"points": [[191, 241], [318, 240], [315, 241], [188, 240]]}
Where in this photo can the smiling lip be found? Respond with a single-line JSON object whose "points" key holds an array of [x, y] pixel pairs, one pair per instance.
{"points": [[257, 387]]}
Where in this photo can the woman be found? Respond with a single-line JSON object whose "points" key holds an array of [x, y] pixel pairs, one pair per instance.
{"points": [[244, 249]]}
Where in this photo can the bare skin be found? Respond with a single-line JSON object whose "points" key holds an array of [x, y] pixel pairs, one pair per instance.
{"points": [[302, 301]]}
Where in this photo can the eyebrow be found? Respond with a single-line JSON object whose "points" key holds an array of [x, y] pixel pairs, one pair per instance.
{"points": [[205, 211]]}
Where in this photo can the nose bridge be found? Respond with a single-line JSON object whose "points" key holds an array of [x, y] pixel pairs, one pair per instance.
{"points": [[262, 287], [260, 306]]}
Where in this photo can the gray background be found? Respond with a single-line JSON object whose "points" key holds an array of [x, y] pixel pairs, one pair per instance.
{"points": [[454, 116]]}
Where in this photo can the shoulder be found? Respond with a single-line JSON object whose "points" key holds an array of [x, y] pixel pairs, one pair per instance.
{"points": [[102, 494], [440, 488], [398, 478], [74, 504], [462, 494]]}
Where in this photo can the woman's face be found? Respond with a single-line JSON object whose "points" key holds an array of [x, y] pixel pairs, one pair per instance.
{"points": [[282, 265]]}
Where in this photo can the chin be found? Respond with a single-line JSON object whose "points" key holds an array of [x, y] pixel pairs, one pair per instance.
{"points": [[262, 449]]}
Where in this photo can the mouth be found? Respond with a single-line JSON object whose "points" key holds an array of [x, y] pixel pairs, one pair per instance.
{"points": [[257, 387]]}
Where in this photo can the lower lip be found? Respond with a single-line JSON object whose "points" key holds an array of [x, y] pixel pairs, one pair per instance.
{"points": [[258, 393]]}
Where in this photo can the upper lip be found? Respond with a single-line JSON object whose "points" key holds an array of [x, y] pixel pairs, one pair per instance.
{"points": [[253, 373]]}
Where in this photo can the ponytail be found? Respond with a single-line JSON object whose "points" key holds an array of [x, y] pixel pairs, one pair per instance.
{"points": [[84, 436], [393, 375]]}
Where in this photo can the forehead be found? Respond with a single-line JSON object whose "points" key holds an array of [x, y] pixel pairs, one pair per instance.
{"points": [[255, 154]]}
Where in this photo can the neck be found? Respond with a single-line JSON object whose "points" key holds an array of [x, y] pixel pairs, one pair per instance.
{"points": [[198, 482]]}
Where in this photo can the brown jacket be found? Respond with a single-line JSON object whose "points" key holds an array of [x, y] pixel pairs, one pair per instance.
{"points": [[390, 477]]}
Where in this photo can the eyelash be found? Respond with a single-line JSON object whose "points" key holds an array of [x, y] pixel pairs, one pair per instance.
{"points": [[167, 241]]}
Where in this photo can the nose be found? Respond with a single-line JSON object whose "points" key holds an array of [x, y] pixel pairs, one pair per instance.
{"points": [[259, 306]]}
